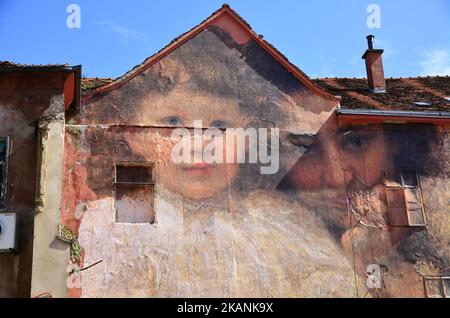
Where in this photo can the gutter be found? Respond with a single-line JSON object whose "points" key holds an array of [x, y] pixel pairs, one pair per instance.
{"points": [[77, 97], [394, 113]]}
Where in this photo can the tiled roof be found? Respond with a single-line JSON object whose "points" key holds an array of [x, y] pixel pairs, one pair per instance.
{"points": [[401, 93], [12, 65], [431, 92], [88, 84]]}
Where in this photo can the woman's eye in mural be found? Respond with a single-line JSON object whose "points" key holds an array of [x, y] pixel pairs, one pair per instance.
{"points": [[311, 149], [355, 143], [219, 124], [172, 121]]}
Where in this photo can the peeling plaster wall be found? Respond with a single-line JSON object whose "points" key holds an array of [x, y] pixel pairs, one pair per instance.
{"points": [[24, 99], [50, 254], [309, 230], [345, 182], [230, 244]]}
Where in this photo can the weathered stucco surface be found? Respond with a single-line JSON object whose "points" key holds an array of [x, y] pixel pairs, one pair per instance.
{"points": [[50, 255], [311, 229], [25, 99]]}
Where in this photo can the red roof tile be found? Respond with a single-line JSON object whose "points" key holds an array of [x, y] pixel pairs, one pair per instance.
{"points": [[12, 65], [88, 84], [401, 93]]}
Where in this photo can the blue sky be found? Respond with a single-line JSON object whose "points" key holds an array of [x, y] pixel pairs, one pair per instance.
{"points": [[322, 37]]}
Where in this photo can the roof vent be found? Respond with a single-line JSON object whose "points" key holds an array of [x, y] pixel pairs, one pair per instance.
{"points": [[422, 104]]}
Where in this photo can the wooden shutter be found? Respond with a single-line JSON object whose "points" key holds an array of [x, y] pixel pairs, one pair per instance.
{"points": [[396, 206], [414, 207]]}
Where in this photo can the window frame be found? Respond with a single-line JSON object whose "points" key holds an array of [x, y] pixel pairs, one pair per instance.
{"points": [[151, 184], [4, 207], [135, 164], [402, 180], [441, 279], [405, 187]]}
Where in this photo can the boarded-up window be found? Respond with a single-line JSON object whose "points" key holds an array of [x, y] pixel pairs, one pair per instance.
{"points": [[437, 287], [134, 191], [4, 150], [405, 204]]}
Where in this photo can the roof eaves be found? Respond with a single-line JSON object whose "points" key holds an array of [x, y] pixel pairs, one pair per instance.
{"points": [[394, 113]]}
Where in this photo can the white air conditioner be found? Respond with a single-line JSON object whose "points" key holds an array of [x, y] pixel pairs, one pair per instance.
{"points": [[8, 231]]}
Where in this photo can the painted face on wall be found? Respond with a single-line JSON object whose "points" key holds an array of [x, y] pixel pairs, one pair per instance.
{"points": [[322, 166], [335, 164], [332, 159], [179, 108]]}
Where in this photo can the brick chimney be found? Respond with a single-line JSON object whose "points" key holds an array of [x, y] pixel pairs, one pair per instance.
{"points": [[374, 67]]}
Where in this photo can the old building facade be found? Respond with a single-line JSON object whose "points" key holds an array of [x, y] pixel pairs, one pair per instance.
{"points": [[33, 100], [347, 194]]}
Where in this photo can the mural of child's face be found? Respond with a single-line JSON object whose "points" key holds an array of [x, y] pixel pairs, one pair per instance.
{"points": [[179, 108]]}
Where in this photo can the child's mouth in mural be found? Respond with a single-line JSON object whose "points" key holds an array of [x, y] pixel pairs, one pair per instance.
{"points": [[198, 169]]}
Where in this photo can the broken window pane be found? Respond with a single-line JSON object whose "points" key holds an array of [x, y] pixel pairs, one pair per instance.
{"points": [[2, 149], [134, 173], [410, 178]]}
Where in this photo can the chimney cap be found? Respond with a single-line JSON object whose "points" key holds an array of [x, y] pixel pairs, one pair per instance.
{"points": [[370, 38], [370, 49], [379, 51]]}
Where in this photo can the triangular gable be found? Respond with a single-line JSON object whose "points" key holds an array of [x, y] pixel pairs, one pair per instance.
{"points": [[227, 19]]}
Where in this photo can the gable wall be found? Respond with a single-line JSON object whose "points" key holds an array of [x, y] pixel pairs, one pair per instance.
{"points": [[234, 231]]}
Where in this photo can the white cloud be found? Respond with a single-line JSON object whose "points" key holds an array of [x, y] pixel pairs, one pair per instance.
{"points": [[436, 62], [388, 48], [125, 35]]}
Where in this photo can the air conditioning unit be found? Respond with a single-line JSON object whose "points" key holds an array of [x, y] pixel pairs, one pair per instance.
{"points": [[8, 232]]}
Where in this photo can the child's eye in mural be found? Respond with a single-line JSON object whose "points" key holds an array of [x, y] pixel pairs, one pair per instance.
{"points": [[172, 121], [220, 124], [180, 108]]}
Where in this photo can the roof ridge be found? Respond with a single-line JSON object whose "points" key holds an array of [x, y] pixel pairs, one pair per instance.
{"points": [[186, 36]]}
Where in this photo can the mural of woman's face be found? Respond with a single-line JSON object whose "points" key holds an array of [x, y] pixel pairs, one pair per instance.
{"points": [[332, 160], [334, 164], [179, 108], [321, 165]]}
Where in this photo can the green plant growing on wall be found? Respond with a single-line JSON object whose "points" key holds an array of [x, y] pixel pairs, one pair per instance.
{"points": [[66, 235]]}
